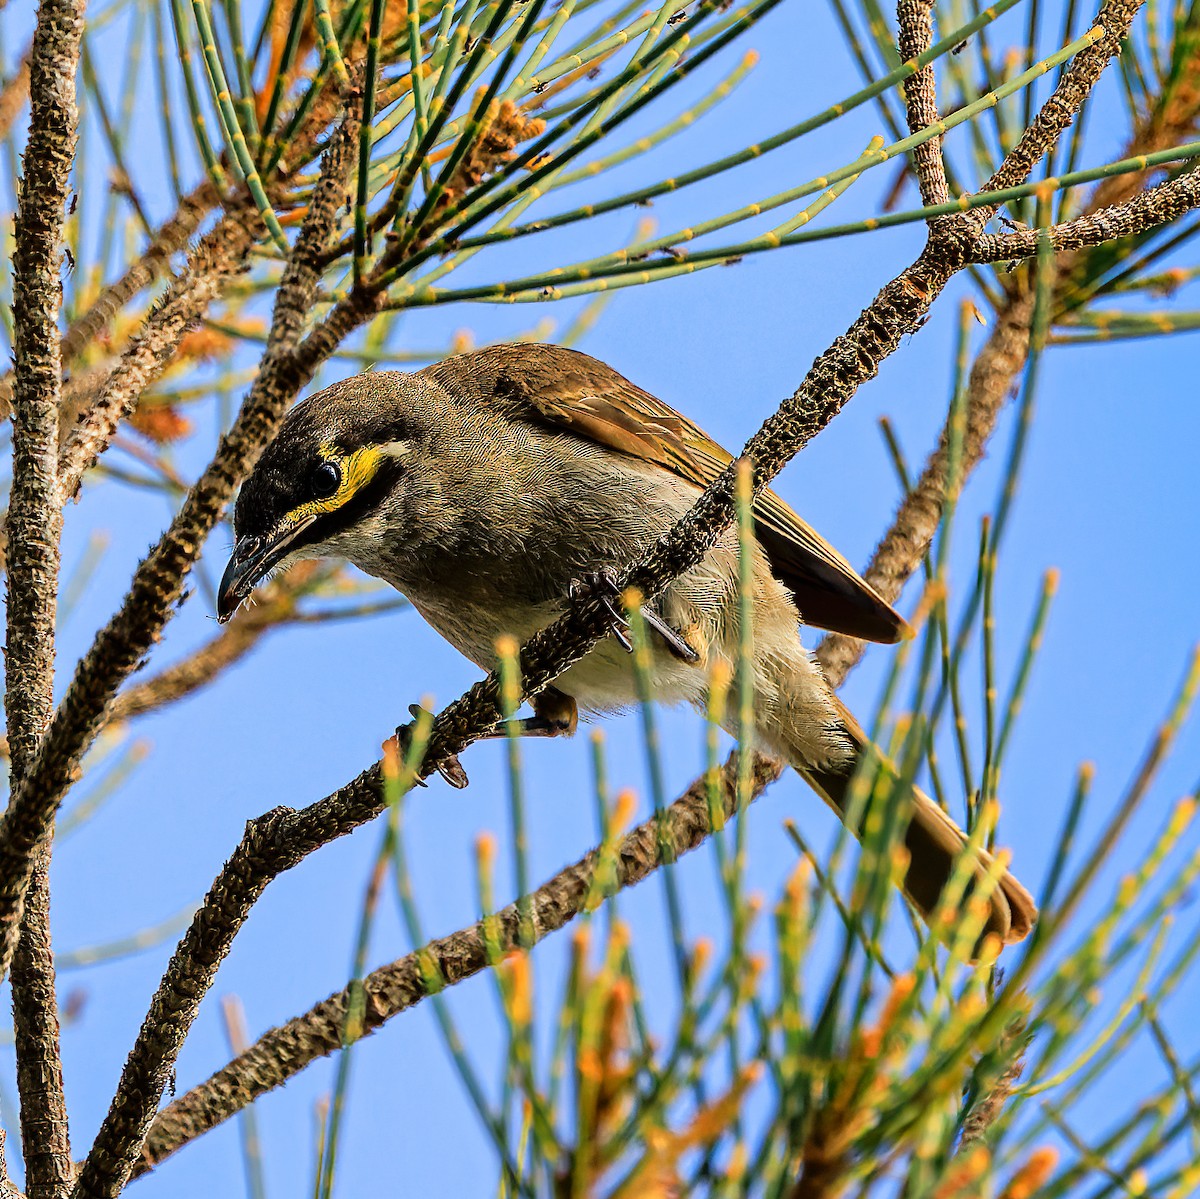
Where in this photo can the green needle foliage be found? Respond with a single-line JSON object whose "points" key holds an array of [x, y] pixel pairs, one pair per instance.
{"points": [[812, 1043]]}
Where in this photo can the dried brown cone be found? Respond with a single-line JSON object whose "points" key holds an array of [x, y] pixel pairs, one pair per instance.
{"points": [[504, 127]]}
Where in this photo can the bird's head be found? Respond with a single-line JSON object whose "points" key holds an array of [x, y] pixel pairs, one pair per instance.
{"points": [[337, 471]]}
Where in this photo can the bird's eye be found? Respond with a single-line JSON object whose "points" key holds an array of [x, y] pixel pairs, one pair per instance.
{"points": [[325, 480]]}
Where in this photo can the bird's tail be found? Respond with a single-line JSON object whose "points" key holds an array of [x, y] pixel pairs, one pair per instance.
{"points": [[934, 842]]}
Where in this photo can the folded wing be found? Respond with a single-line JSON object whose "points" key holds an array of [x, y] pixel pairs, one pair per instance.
{"points": [[574, 391]]}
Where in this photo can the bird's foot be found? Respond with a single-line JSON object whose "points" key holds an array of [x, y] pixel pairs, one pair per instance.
{"points": [[555, 714], [602, 584], [450, 768]]}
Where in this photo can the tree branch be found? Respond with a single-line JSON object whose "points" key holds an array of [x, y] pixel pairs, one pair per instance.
{"points": [[904, 546], [45, 1134], [34, 529], [283, 1052], [915, 21], [1058, 112], [1147, 210]]}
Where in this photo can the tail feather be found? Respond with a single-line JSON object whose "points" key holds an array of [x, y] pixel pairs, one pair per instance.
{"points": [[934, 843]]}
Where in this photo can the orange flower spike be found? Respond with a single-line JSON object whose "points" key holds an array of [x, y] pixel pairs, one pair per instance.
{"points": [[1032, 1176], [624, 810], [796, 887], [518, 988], [874, 1038], [160, 423], [702, 954], [392, 762], [205, 345], [964, 1174]]}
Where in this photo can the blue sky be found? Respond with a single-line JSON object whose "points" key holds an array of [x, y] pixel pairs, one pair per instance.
{"points": [[1108, 496]]}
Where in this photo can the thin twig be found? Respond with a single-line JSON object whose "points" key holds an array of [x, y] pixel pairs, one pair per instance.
{"points": [[906, 542], [1147, 210], [1058, 112]]}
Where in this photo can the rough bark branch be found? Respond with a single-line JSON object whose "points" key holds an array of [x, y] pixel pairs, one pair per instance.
{"points": [[1058, 112], [45, 1135], [915, 21], [1149, 209], [34, 529], [283, 1052]]}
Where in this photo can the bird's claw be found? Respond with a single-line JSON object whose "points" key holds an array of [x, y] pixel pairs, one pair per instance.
{"points": [[450, 768], [675, 641], [602, 585]]}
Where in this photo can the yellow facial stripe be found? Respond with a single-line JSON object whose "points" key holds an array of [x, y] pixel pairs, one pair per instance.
{"points": [[358, 469]]}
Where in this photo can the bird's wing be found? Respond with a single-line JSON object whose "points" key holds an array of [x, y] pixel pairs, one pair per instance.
{"points": [[574, 391]]}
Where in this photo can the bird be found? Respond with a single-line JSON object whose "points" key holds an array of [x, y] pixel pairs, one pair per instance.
{"points": [[489, 487]]}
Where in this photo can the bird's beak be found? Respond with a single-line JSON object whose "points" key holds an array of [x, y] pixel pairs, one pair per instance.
{"points": [[253, 557]]}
